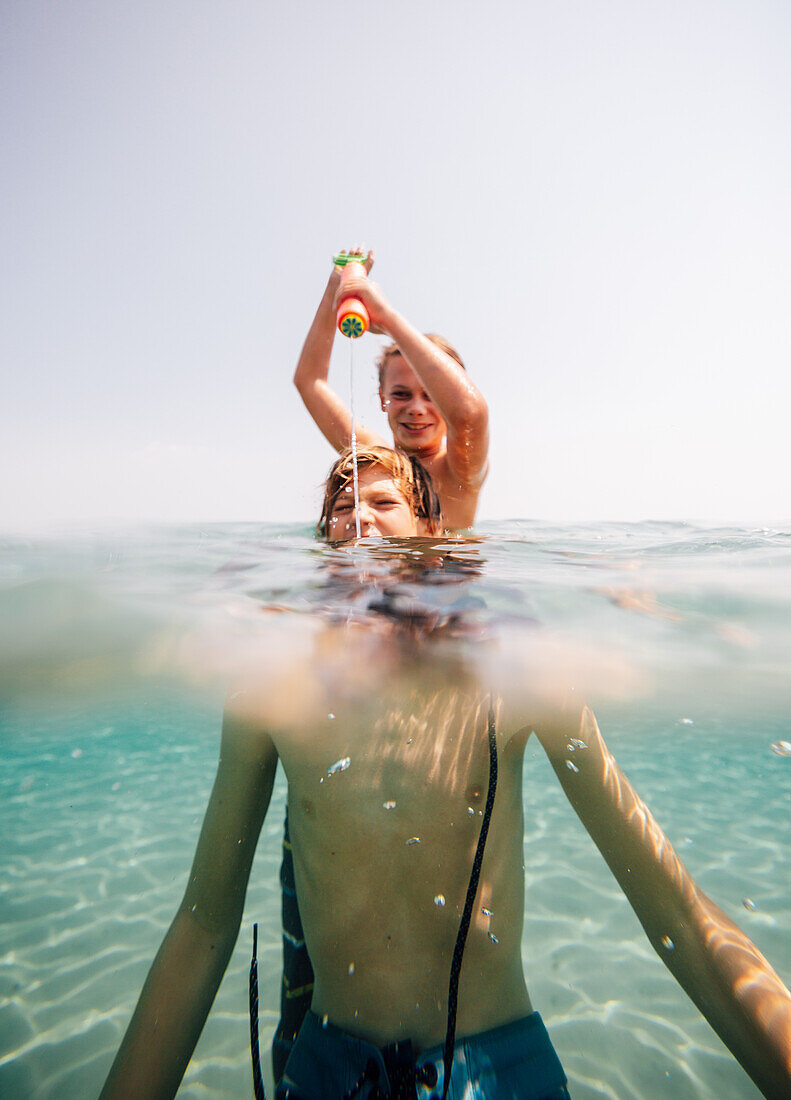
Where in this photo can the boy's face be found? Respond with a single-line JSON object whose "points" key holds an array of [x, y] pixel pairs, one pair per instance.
{"points": [[415, 422], [384, 509]]}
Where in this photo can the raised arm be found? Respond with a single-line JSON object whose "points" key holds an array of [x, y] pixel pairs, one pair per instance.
{"points": [[190, 964], [715, 963], [448, 385], [322, 402]]}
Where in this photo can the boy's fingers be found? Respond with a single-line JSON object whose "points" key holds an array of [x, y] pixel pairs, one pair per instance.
{"points": [[369, 261]]}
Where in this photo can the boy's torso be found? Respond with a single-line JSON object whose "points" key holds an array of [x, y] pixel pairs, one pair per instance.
{"points": [[387, 791]]}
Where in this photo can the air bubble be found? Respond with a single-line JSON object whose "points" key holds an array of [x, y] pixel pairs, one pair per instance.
{"points": [[339, 765], [470, 811], [351, 969], [572, 767], [330, 716], [667, 943], [414, 840], [782, 748], [575, 741], [439, 900], [76, 754], [493, 938], [324, 1020], [686, 721], [749, 904], [388, 805], [487, 912]]}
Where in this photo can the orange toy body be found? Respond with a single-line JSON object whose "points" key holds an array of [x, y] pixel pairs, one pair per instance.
{"points": [[353, 319]]}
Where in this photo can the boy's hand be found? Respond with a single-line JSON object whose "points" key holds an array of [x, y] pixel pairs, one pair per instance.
{"points": [[370, 294]]}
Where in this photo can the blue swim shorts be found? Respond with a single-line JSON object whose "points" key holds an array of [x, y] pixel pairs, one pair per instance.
{"points": [[516, 1061]]}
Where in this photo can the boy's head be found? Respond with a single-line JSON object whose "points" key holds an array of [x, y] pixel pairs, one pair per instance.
{"points": [[397, 497], [416, 423]]}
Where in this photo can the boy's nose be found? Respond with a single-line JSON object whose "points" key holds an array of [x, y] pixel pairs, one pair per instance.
{"points": [[367, 518]]}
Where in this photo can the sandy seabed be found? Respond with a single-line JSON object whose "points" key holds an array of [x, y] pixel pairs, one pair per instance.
{"points": [[100, 813]]}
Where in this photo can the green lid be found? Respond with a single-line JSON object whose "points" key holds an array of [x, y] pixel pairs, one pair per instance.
{"points": [[341, 259]]}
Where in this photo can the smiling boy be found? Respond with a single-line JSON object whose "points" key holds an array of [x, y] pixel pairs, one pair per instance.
{"points": [[434, 410]]}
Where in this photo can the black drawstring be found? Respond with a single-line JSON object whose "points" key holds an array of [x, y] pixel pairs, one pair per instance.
{"points": [[464, 926], [258, 1083]]}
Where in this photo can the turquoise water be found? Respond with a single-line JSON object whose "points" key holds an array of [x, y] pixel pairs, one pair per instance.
{"points": [[114, 649]]}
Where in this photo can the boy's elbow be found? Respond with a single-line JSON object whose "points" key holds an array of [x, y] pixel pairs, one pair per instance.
{"points": [[473, 422]]}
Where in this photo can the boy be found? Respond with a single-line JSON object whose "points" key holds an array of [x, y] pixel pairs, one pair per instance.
{"points": [[383, 739], [433, 409]]}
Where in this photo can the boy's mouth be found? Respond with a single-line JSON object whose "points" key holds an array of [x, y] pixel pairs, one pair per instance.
{"points": [[415, 429]]}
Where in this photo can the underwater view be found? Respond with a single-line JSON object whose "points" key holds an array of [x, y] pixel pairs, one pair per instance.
{"points": [[116, 654]]}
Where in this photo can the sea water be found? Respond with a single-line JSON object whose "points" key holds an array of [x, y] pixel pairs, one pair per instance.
{"points": [[110, 707]]}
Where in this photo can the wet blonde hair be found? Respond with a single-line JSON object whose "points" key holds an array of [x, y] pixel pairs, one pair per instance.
{"points": [[409, 474], [392, 350]]}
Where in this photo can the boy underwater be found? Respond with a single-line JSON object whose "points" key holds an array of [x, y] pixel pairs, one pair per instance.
{"points": [[434, 411], [386, 746]]}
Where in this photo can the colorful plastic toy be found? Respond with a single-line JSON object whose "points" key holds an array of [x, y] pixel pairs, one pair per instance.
{"points": [[353, 319]]}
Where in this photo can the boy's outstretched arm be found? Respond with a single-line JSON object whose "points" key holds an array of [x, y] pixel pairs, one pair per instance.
{"points": [[190, 964], [313, 367], [715, 963]]}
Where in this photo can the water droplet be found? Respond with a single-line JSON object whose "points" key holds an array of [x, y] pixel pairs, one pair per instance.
{"points": [[389, 805], [486, 912], [667, 943], [194, 907], [116, 786], [575, 741], [351, 969], [29, 780], [748, 903], [321, 780], [493, 938], [414, 840], [239, 841], [572, 767], [782, 748], [339, 765], [330, 715], [439, 900], [348, 489], [470, 811], [324, 1020], [76, 754], [686, 721], [409, 740]]}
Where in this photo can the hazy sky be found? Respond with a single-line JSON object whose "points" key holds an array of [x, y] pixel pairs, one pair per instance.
{"points": [[591, 200]]}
